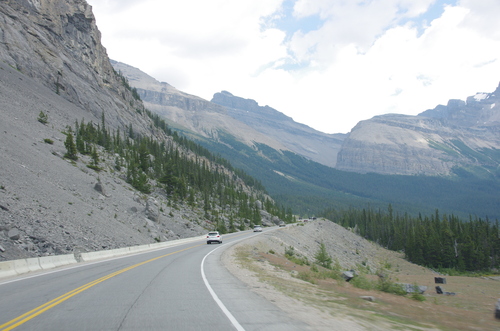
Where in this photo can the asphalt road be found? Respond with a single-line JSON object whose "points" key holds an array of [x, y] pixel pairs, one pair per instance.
{"points": [[177, 288]]}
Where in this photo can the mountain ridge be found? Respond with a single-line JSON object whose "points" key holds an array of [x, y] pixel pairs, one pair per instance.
{"points": [[242, 118], [461, 137]]}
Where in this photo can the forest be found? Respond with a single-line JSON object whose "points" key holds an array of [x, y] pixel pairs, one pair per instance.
{"points": [[179, 168], [435, 241]]}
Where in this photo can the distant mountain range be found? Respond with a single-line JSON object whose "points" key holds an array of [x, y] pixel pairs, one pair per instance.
{"points": [[460, 138], [227, 114], [439, 159]]}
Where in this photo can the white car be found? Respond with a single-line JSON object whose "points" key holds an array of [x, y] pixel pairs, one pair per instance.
{"points": [[214, 236], [257, 228]]}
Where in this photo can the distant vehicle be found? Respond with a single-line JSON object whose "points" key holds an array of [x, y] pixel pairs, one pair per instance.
{"points": [[282, 224], [214, 236], [257, 228]]}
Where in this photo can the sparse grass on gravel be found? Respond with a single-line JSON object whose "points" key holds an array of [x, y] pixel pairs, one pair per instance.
{"points": [[332, 302]]}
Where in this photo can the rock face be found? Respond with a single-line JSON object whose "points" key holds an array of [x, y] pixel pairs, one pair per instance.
{"points": [[57, 43], [241, 118], [299, 138], [460, 138]]}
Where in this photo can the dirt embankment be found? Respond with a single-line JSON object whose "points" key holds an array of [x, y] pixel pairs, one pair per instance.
{"points": [[325, 303]]}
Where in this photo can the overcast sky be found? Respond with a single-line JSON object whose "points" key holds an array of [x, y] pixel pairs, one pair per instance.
{"points": [[325, 63]]}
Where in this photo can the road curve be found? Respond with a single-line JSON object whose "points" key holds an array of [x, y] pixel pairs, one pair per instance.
{"points": [[177, 288]]}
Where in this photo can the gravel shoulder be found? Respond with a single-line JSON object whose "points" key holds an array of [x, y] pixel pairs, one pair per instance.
{"points": [[327, 303]]}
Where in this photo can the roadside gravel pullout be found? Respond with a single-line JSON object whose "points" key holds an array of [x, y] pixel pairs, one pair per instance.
{"points": [[345, 247]]}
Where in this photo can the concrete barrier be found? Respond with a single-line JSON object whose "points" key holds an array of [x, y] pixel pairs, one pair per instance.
{"points": [[7, 269], [22, 266], [34, 264], [62, 260], [47, 262]]}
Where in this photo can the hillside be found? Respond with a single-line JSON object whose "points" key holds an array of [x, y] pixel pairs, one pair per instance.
{"points": [[325, 302], [84, 165]]}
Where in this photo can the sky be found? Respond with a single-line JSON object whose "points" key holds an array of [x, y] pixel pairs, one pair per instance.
{"points": [[326, 63]]}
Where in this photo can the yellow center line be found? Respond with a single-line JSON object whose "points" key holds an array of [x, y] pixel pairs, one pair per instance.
{"points": [[46, 306]]}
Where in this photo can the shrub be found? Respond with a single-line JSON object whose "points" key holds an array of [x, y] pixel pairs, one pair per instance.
{"points": [[289, 251], [385, 284], [323, 258], [417, 296], [306, 276], [362, 282], [43, 118], [48, 141]]}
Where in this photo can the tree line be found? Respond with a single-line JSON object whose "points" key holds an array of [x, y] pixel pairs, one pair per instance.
{"points": [[436, 241], [181, 169]]}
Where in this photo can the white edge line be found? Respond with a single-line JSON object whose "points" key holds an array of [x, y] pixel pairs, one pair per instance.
{"points": [[233, 320]]}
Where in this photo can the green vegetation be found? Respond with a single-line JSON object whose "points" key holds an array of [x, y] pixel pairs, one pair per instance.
{"points": [[177, 167], [70, 147], [362, 282], [48, 141], [43, 118], [323, 258], [438, 241], [311, 187]]}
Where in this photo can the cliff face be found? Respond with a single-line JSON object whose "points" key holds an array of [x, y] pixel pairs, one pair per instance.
{"points": [[57, 43], [461, 136], [299, 138]]}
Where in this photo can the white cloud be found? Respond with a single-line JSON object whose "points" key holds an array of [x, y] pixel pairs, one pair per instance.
{"points": [[354, 60]]}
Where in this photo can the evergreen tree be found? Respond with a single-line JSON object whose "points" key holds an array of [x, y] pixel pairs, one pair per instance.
{"points": [[95, 157], [322, 257], [70, 147]]}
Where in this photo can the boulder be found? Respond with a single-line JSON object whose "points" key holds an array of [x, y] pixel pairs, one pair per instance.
{"points": [[440, 290], [152, 210], [348, 275], [439, 280], [367, 298], [99, 188], [411, 288], [14, 234]]}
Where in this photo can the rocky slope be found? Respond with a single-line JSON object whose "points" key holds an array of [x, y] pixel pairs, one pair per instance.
{"points": [[52, 63], [460, 138], [241, 118]]}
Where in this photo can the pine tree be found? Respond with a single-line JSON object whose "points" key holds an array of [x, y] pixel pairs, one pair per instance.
{"points": [[70, 147], [95, 157], [323, 258]]}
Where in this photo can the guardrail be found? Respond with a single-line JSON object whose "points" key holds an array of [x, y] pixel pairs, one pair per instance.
{"points": [[22, 266]]}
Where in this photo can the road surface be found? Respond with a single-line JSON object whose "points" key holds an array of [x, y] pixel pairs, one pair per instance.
{"points": [[177, 288]]}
